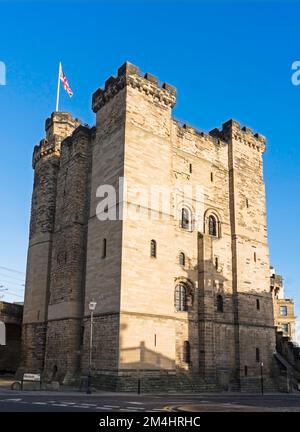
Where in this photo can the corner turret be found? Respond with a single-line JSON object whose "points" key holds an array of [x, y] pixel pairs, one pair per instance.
{"points": [[58, 127], [130, 75], [233, 130]]}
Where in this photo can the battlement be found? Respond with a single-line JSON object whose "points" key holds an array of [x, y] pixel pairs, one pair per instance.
{"points": [[43, 149], [233, 130], [184, 128], [130, 75], [61, 118], [58, 127]]}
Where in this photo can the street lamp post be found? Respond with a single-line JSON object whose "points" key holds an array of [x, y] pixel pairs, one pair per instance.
{"points": [[262, 378], [287, 380], [92, 307]]}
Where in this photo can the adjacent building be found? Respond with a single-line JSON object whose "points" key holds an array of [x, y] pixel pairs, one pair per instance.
{"points": [[284, 312], [10, 336]]}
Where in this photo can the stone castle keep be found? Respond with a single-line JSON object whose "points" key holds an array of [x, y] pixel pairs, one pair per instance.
{"points": [[180, 304]]}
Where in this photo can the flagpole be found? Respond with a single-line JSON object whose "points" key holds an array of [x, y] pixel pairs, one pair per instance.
{"points": [[58, 87]]}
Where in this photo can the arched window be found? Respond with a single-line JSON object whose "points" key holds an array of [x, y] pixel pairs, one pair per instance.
{"points": [[186, 218], [186, 352], [153, 249], [180, 298], [212, 226], [220, 303], [182, 259]]}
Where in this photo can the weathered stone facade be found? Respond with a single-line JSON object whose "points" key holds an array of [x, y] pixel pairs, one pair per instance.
{"points": [[11, 322], [138, 330]]}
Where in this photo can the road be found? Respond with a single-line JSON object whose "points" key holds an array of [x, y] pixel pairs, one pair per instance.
{"points": [[13, 401]]}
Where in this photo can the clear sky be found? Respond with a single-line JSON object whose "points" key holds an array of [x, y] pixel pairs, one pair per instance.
{"points": [[226, 58]]}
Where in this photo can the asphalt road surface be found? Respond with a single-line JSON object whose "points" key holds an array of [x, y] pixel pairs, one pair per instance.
{"points": [[14, 401]]}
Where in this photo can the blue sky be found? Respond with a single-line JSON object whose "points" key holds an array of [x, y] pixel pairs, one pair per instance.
{"points": [[227, 59]]}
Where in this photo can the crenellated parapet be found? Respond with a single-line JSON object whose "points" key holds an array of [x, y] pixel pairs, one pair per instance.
{"points": [[184, 129], [130, 75], [233, 130], [60, 124], [43, 150], [58, 127]]}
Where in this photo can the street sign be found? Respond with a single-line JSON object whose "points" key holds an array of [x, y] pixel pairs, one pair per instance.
{"points": [[31, 377], [2, 333]]}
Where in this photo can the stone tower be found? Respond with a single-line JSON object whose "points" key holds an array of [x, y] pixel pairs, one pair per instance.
{"points": [[46, 160], [182, 288]]}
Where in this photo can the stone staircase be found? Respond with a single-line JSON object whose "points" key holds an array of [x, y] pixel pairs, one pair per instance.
{"points": [[287, 357], [285, 377], [253, 385]]}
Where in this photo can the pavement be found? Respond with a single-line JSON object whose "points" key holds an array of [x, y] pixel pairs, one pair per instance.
{"points": [[70, 400], [6, 381]]}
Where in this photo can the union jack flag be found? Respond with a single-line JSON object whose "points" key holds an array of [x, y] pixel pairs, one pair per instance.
{"points": [[64, 80]]}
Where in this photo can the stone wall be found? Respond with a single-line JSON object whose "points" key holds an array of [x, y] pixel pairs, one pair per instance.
{"points": [[46, 160], [65, 308], [105, 351]]}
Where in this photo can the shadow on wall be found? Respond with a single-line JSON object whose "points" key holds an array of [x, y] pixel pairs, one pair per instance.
{"points": [[209, 310], [206, 338], [142, 357], [187, 342]]}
